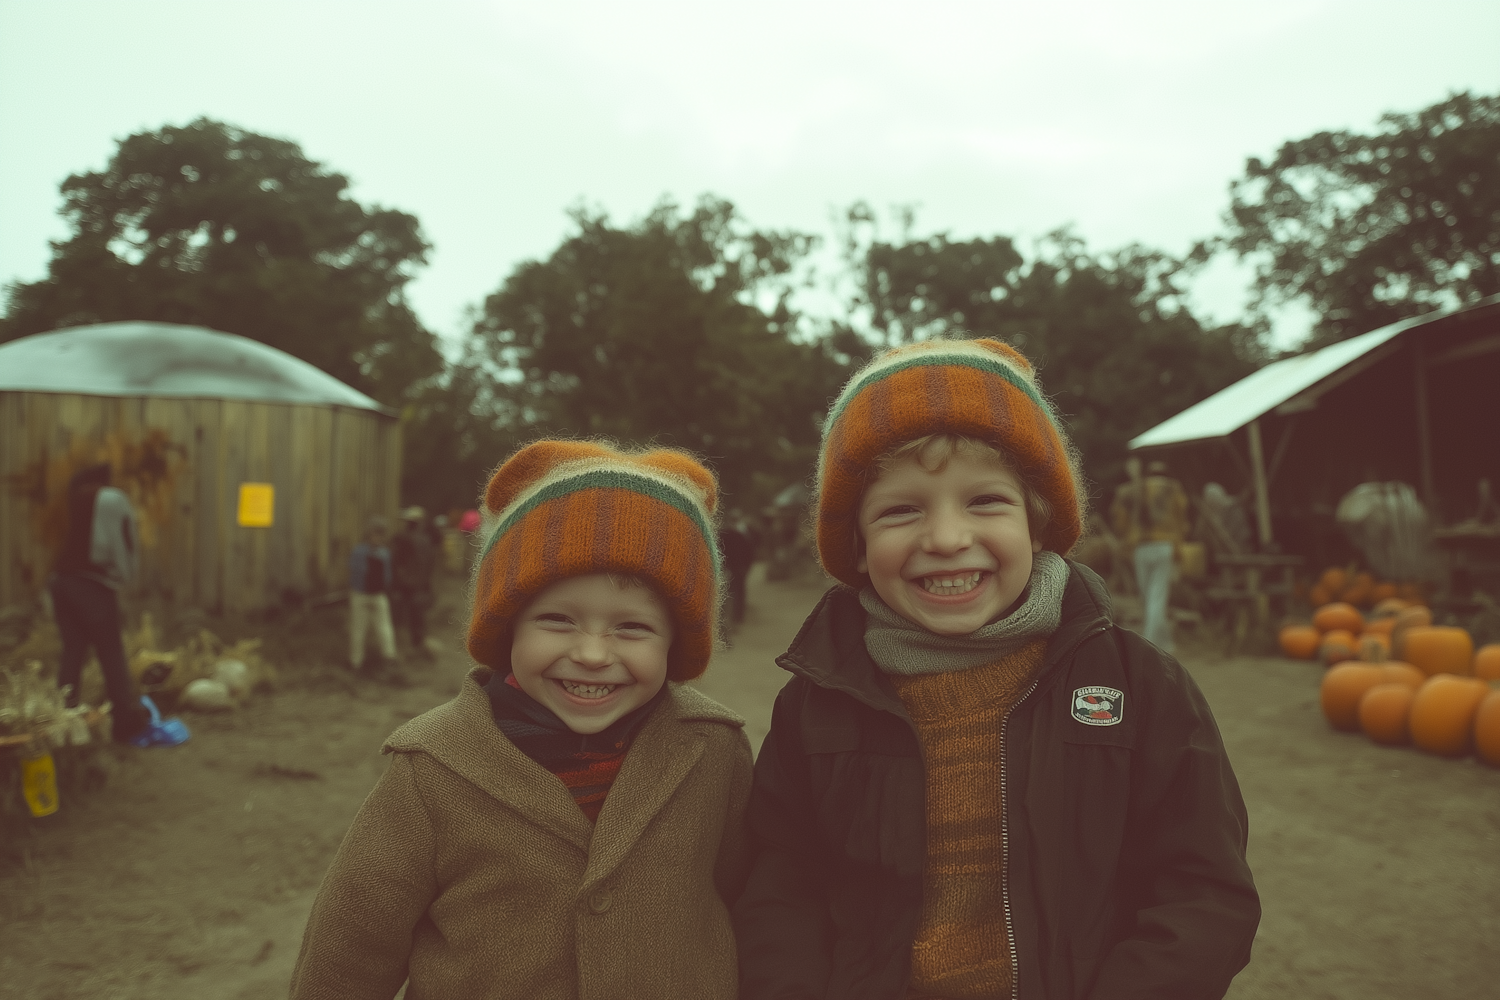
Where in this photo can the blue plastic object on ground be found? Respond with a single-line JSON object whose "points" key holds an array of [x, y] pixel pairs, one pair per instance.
{"points": [[161, 733]]}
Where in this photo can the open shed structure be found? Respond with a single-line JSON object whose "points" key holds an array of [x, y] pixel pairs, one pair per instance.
{"points": [[187, 417], [1416, 402]]}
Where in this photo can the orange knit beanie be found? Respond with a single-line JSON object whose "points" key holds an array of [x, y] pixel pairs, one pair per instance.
{"points": [[979, 389], [557, 509]]}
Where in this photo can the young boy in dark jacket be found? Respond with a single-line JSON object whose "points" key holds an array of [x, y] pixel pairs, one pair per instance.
{"points": [[975, 783]]}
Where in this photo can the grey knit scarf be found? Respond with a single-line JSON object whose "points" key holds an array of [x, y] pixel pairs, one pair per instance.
{"points": [[901, 647]]}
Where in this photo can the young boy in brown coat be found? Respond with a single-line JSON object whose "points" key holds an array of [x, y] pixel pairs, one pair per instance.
{"points": [[571, 825], [975, 784]]}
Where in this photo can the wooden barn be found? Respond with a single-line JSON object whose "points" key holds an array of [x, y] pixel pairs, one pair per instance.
{"points": [[1414, 402], [252, 472]]}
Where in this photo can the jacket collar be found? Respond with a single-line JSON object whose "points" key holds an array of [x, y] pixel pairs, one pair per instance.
{"points": [[462, 736], [829, 651]]}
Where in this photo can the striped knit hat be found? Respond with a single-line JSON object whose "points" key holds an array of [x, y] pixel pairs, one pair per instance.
{"points": [[979, 389], [557, 509]]}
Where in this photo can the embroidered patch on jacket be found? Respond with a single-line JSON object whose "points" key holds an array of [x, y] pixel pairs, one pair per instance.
{"points": [[1098, 706]]}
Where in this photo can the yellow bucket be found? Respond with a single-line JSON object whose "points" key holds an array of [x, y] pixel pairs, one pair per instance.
{"points": [[39, 784]]}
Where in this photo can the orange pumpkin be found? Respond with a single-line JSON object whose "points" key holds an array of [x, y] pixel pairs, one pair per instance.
{"points": [[1359, 589], [1397, 672], [1383, 592], [1487, 729], [1374, 647], [1334, 580], [1339, 616], [1442, 714], [1343, 687], [1438, 649], [1412, 615], [1415, 616], [1337, 646], [1487, 662], [1384, 711], [1300, 642], [1318, 595], [1381, 626]]}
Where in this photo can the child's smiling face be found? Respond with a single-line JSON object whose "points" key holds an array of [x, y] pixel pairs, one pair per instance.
{"points": [[948, 550], [591, 650]]}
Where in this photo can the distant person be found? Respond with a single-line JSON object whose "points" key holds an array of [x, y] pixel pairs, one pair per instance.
{"points": [[1151, 514], [1227, 528], [370, 582], [572, 823], [468, 526], [737, 544], [975, 784], [99, 556], [413, 557]]}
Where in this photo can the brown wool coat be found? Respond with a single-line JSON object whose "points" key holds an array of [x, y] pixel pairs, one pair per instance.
{"points": [[471, 871]]}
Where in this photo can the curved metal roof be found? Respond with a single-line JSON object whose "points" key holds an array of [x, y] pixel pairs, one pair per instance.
{"points": [[168, 359]]}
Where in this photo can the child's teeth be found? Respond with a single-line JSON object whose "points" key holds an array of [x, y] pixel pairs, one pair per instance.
{"points": [[949, 585], [587, 690]]}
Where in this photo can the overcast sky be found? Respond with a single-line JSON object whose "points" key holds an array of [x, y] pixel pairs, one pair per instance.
{"points": [[1126, 120]]}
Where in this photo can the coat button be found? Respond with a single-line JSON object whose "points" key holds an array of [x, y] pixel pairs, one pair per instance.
{"points": [[599, 901]]}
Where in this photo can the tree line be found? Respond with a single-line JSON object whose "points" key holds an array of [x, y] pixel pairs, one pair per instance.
{"points": [[682, 327]]}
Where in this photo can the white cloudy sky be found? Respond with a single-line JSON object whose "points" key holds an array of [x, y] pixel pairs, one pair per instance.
{"points": [[487, 120]]}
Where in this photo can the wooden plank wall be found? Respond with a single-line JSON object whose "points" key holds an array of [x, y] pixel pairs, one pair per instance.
{"points": [[332, 468]]}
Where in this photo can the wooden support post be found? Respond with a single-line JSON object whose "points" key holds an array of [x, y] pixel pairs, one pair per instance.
{"points": [[1262, 489], [1424, 430]]}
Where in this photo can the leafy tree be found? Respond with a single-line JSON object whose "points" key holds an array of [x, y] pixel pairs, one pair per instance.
{"points": [[677, 329], [1369, 229], [213, 225], [1114, 345]]}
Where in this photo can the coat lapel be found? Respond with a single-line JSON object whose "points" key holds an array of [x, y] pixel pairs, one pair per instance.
{"points": [[463, 737], [662, 756]]}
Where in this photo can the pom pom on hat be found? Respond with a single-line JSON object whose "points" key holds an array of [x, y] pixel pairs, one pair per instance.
{"points": [[980, 389], [557, 509]]}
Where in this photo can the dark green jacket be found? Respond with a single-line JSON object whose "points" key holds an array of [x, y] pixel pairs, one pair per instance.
{"points": [[1125, 873]]}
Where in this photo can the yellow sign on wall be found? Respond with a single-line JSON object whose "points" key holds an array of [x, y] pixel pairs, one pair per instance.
{"points": [[257, 505]]}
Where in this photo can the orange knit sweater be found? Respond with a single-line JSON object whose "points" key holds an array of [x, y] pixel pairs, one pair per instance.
{"points": [[962, 947]]}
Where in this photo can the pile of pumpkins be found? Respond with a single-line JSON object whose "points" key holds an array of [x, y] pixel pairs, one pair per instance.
{"points": [[1403, 680], [1361, 589]]}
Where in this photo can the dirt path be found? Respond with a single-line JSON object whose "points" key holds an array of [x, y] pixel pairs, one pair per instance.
{"points": [[191, 873]]}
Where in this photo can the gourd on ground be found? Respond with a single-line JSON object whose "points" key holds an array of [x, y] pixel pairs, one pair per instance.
{"points": [[1334, 580], [1418, 615], [1300, 642], [1337, 646], [1438, 649], [1487, 729], [1374, 647], [1487, 662], [1384, 711], [1442, 714], [1343, 687], [1397, 672], [1339, 615]]}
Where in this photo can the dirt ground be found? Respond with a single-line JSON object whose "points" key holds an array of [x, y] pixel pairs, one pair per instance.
{"points": [[191, 872]]}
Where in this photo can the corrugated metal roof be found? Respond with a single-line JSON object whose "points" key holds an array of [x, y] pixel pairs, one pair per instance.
{"points": [[167, 359], [1257, 394]]}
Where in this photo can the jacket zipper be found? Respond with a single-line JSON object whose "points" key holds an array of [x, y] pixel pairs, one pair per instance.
{"points": [[1010, 930]]}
